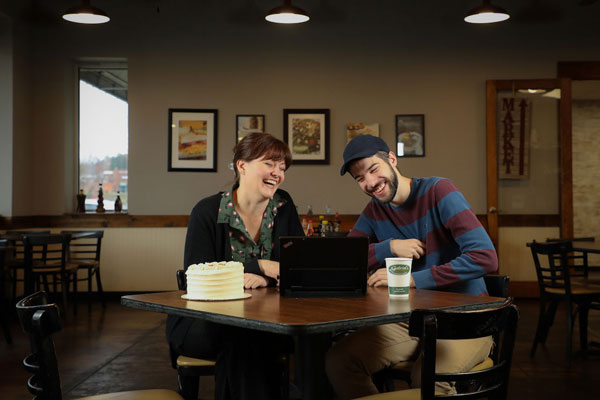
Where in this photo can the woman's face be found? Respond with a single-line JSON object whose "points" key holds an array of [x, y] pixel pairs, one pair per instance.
{"points": [[262, 176]]}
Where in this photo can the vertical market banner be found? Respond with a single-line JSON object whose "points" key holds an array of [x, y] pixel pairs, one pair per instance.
{"points": [[514, 127]]}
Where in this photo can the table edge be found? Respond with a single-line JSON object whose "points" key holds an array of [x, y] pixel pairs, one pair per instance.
{"points": [[293, 329]]}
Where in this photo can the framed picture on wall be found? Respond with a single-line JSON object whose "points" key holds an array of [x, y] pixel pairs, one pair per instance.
{"points": [[361, 128], [410, 135], [192, 140], [246, 124], [306, 131]]}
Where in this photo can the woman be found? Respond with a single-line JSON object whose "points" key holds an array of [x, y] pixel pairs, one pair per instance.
{"points": [[241, 224]]}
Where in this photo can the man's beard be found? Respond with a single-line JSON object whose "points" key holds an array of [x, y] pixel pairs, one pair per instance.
{"points": [[392, 185]]}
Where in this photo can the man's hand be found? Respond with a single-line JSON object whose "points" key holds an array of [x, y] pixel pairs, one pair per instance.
{"points": [[253, 281], [410, 248], [378, 278], [269, 268]]}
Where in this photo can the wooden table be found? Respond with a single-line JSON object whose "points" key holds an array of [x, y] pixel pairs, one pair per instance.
{"points": [[310, 320], [586, 246]]}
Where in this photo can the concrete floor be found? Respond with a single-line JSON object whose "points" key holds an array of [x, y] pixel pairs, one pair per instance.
{"points": [[124, 349]]}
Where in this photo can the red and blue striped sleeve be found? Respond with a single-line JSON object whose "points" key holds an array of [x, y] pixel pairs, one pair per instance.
{"points": [[477, 255]]}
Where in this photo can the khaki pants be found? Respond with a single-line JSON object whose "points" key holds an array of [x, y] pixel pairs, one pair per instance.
{"points": [[352, 361]]}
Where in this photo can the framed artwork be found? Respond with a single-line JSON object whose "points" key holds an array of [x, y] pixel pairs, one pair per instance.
{"points": [[360, 128], [192, 140], [245, 124], [410, 135], [307, 134]]}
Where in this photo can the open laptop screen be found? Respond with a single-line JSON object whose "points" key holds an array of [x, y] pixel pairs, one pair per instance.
{"points": [[323, 266]]}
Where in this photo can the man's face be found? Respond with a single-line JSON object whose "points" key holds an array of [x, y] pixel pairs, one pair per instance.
{"points": [[376, 177]]}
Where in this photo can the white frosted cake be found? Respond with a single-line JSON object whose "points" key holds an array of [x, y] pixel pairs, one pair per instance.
{"points": [[215, 281]]}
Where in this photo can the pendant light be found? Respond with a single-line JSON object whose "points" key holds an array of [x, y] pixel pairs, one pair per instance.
{"points": [[287, 14], [487, 13], [86, 14]]}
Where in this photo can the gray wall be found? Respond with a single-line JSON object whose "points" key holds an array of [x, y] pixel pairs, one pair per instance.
{"points": [[364, 60]]}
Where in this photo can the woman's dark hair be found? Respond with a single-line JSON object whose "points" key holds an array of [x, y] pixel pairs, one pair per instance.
{"points": [[257, 145]]}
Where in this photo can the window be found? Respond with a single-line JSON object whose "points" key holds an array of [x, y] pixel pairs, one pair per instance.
{"points": [[103, 135]]}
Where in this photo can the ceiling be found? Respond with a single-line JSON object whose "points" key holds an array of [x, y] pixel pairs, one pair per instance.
{"points": [[243, 11], [112, 81]]}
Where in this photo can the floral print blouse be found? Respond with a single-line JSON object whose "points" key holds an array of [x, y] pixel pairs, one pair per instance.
{"points": [[243, 247]]}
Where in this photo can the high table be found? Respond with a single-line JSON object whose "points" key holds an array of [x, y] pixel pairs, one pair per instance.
{"points": [[311, 321]]}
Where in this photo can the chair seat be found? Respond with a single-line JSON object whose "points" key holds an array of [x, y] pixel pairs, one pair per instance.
{"points": [[183, 361], [406, 366], [47, 268], [592, 279], [86, 263], [152, 394], [409, 394], [578, 288], [403, 366], [485, 364]]}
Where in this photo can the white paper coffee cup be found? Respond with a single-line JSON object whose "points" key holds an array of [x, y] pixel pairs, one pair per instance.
{"points": [[398, 274]]}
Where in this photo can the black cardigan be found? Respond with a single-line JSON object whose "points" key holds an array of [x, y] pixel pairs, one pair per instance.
{"points": [[208, 241]]}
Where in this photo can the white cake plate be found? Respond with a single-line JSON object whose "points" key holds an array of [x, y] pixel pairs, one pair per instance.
{"points": [[200, 298]]}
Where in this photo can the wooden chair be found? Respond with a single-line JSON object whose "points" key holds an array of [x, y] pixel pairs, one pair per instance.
{"points": [[491, 382], [16, 265], [46, 258], [84, 251], [189, 369], [497, 286], [40, 321], [555, 284], [578, 260]]}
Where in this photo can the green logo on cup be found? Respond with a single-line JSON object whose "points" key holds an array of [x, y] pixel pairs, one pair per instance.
{"points": [[399, 269]]}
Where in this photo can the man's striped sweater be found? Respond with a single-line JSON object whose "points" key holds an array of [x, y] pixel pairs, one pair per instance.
{"points": [[458, 250]]}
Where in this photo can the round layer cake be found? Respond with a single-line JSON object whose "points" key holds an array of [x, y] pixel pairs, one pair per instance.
{"points": [[215, 280]]}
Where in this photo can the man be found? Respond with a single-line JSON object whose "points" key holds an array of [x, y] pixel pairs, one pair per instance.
{"points": [[429, 220]]}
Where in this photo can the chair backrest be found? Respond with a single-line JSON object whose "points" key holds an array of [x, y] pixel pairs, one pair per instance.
{"points": [[15, 237], [578, 260], [39, 321], [497, 285], [181, 281], [555, 275], [85, 245], [55, 249], [430, 325]]}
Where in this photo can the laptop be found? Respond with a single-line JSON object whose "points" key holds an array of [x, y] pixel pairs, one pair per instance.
{"points": [[323, 266]]}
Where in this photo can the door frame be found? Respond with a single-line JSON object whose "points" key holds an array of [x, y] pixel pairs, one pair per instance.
{"points": [[565, 219]]}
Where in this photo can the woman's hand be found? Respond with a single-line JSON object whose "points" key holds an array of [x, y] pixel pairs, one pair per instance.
{"points": [[253, 281], [269, 268]]}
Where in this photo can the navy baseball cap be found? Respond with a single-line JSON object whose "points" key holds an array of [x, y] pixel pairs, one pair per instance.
{"points": [[362, 146]]}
